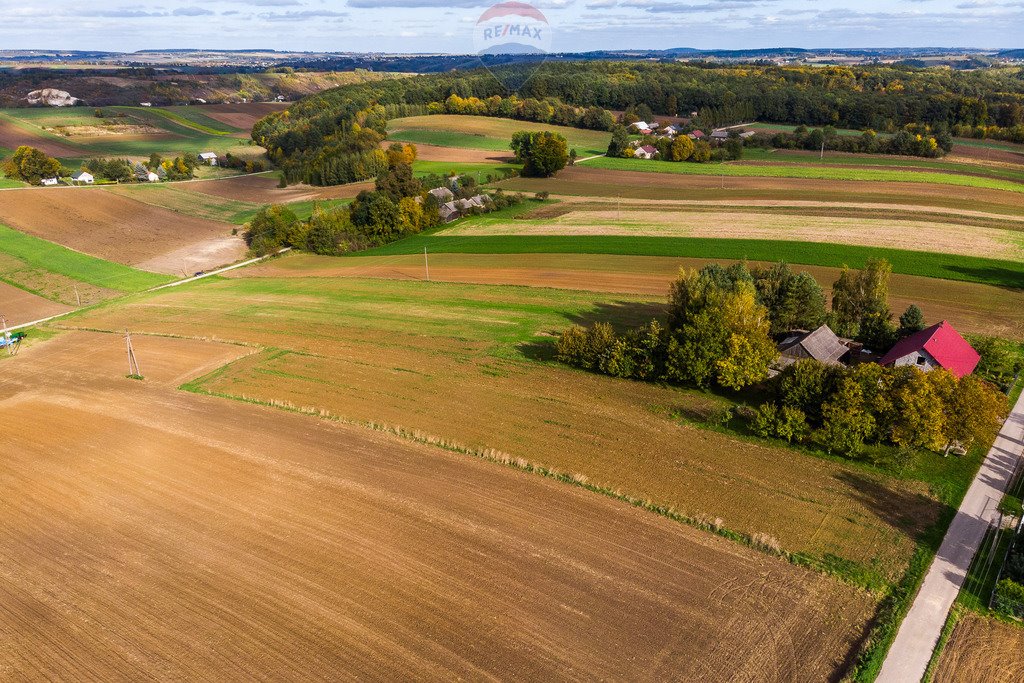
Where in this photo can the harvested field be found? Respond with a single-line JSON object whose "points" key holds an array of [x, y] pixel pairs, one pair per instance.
{"points": [[456, 155], [599, 182], [487, 132], [19, 306], [214, 539], [241, 115], [982, 650], [263, 189], [204, 255], [104, 224], [12, 136], [875, 232], [177, 197], [989, 154], [458, 362], [973, 308]]}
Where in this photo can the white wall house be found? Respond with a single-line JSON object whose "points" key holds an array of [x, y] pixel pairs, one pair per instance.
{"points": [[208, 158], [83, 177]]}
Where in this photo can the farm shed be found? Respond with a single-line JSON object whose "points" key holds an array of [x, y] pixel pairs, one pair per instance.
{"points": [[208, 158], [822, 345]]}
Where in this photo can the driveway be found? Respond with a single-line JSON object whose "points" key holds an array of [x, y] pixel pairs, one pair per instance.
{"points": [[908, 657]]}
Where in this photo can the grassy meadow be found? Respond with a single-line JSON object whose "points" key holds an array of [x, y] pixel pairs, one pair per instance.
{"points": [[487, 132]]}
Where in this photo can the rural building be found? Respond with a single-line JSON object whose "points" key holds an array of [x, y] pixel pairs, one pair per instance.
{"points": [[747, 134], [640, 126], [696, 135], [208, 158], [938, 346], [49, 181], [672, 131], [720, 135], [152, 177], [443, 194], [822, 345], [448, 212], [83, 177], [645, 152]]}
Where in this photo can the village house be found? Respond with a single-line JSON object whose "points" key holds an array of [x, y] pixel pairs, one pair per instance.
{"points": [[672, 131], [83, 177], [696, 135], [448, 212], [49, 181], [938, 346], [641, 127], [720, 135], [645, 152], [209, 158], [822, 345], [442, 194]]}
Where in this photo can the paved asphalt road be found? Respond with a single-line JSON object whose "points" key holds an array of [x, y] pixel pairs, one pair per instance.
{"points": [[910, 652]]}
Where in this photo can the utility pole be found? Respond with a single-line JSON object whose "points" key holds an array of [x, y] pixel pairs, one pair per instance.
{"points": [[426, 264], [133, 364], [822, 157]]}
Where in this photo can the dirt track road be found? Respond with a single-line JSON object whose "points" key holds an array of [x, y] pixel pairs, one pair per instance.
{"points": [[908, 657], [152, 533]]}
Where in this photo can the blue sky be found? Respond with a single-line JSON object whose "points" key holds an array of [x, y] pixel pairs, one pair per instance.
{"points": [[446, 25]]}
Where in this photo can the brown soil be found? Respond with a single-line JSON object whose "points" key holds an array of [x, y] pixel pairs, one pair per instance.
{"points": [[263, 189], [12, 137], [973, 308], [456, 154], [982, 651], [155, 534], [241, 116], [581, 180], [986, 154], [204, 255], [104, 224], [19, 306]]}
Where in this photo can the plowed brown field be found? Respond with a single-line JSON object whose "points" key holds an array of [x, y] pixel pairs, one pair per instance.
{"points": [[456, 154], [982, 651], [263, 189], [13, 136], [155, 534], [242, 115], [455, 362], [19, 306], [104, 224]]}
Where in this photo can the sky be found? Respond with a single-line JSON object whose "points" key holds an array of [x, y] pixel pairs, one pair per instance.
{"points": [[447, 25]]}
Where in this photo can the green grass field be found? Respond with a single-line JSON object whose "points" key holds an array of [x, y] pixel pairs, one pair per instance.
{"points": [[485, 132], [926, 264], [479, 170], [54, 258], [737, 169]]}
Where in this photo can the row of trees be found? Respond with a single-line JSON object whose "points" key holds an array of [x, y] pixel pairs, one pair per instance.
{"points": [[843, 408], [919, 141], [548, 110]]}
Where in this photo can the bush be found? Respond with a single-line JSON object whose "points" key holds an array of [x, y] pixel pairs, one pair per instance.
{"points": [[785, 422], [1009, 599]]}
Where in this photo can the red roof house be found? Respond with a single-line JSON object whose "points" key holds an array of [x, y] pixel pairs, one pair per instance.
{"points": [[938, 346]]}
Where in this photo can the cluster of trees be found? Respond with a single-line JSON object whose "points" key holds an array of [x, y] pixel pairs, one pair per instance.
{"points": [[399, 205], [114, 170], [181, 167], [920, 141], [542, 153], [719, 329], [844, 408], [244, 164], [547, 110], [32, 165], [1009, 595]]}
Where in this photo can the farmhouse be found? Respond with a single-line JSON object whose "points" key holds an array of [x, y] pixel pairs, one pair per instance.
{"points": [[645, 152], [672, 131], [696, 135], [822, 345], [208, 158], [83, 177], [720, 135], [938, 346], [49, 181], [442, 194], [641, 127], [448, 212]]}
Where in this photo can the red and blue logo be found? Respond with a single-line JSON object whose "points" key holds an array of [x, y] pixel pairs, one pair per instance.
{"points": [[512, 28]]}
